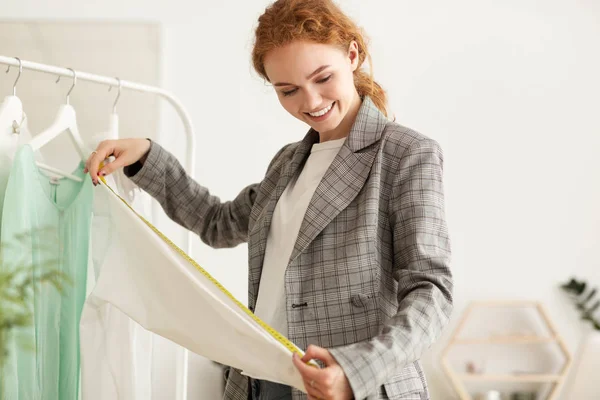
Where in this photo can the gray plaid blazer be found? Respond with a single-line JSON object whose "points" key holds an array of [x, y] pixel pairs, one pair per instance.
{"points": [[369, 276]]}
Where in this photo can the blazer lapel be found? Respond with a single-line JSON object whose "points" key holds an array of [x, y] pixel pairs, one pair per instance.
{"points": [[264, 219], [345, 177], [342, 182], [289, 172]]}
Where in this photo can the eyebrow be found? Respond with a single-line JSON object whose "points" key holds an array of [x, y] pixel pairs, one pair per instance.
{"points": [[315, 72]]}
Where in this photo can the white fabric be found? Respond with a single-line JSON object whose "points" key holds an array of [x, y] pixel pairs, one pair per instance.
{"points": [[285, 225], [153, 284], [116, 352]]}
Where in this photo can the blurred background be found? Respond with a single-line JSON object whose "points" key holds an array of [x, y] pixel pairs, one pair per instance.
{"points": [[511, 91]]}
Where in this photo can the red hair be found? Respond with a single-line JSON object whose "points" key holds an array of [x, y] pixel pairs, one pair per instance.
{"points": [[317, 21]]}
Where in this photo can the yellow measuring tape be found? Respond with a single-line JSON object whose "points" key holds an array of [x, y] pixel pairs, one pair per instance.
{"points": [[278, 336]]}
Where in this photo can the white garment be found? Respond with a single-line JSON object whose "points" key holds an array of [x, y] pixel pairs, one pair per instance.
{"points": [[116, 352], [156, 286], [285, 225]]}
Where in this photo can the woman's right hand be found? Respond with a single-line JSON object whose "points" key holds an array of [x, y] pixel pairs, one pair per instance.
{"points": [[125, 151]]}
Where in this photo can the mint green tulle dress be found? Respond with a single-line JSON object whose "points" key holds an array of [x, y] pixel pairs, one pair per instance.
{"points": [[45, 240]]}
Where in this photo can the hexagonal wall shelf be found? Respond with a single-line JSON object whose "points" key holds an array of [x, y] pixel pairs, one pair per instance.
{"points": [[502, 342]]}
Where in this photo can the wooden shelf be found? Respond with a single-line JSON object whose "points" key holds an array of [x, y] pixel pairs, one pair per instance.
{"points": [[507, 340], [510, 378], [459, 379]]}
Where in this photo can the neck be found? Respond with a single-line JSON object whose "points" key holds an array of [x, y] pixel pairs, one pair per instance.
{"points": [[343, 129]]}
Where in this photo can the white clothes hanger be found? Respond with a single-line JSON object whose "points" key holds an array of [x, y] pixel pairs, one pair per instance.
{"points": [[13, 119], [11, 113], [65, 121], [11, 109], [113, 128], [126, 188], [113, 132], [13, 122], [125, 185]]}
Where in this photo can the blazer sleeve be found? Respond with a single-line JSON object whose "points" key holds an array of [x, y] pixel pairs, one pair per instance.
{"points": [[191, 205], [421, 267]]}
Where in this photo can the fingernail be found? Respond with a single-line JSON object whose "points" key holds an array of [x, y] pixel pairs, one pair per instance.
{"points": [[102, 173]]}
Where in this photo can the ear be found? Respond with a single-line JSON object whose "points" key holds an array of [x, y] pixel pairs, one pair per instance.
{"points": [[353, 55]]}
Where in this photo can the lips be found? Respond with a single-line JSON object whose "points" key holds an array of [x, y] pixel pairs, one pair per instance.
{"points": [[321, 114]]}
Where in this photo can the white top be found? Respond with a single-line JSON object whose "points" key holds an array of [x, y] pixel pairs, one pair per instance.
{"points": [[165, 294], [285, 225]]}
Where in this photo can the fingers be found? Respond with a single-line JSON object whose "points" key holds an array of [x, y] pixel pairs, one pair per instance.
{"points": [[307, 371], [104, 150], [318, 353], [310, 376], [111, 167], [313, 392], [325, 383], [93, 162]]}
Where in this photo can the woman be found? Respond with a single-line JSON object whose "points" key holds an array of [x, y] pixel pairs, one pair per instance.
{"points": [[348, 246]]}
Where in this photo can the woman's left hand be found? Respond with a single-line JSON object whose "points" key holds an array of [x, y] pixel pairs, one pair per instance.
{"points": [[329, 383]]}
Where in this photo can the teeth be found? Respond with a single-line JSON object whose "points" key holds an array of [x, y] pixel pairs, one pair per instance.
{"points": [[322, 112]]}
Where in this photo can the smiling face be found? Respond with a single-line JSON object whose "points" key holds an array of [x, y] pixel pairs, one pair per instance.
{"points": [[314, 82]]}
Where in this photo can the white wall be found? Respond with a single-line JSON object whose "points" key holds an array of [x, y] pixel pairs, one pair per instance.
{"points": [[509, 89]]}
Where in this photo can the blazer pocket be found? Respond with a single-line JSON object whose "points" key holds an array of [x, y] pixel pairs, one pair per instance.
{"points": [[405, 385], [361, 300], [358, 320]]}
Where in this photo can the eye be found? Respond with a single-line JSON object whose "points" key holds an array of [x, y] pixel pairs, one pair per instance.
{"points": [[288, 92], [324, 79]]}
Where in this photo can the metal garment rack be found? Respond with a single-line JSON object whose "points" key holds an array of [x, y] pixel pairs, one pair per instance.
{"points": [[190, 162]]}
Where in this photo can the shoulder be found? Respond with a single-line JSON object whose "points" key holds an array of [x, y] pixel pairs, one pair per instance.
{"points": [[399, 141], [284, 154]]}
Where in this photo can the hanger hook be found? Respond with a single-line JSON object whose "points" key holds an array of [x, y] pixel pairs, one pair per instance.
{"points": [[18, 76], [118, 95], [72, 86]]}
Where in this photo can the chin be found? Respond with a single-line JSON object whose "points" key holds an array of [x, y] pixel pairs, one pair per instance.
{"points": [[325, 126], [329, 126]]}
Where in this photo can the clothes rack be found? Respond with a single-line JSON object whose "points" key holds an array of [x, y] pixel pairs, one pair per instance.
{"points": [[190, 161]]}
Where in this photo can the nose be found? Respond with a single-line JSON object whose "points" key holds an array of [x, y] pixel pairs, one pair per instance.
{"points": [[313, 101]]}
